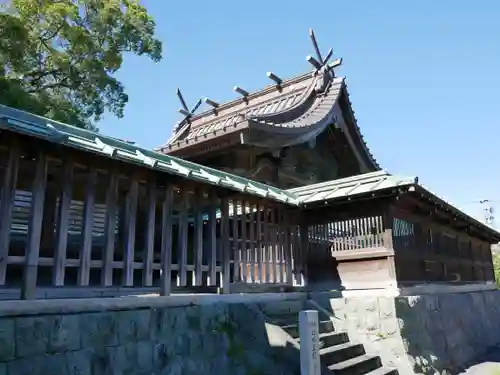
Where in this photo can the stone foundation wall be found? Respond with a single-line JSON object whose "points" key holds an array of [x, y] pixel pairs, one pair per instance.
{"points": [[208, 338], [423, 334]]}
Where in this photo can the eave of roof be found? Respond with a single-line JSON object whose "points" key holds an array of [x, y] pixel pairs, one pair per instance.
{"points": [[56, 132], [375, 183]]}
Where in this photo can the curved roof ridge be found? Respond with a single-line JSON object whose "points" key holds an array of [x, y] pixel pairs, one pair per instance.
{"points": [[256, 94], [358, 130]]}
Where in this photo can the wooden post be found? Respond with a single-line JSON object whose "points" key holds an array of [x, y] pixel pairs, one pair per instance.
{"points": [[198, 239], [110, 228], [253, 242], [303, 251], [226, 266], [309, 343], [28, 290], [6, 202], [131, 216], [166, 243], [236, 240], [259, 242], [287, 250], [182, 247], [267, 248], [147, 276], [244, 243], [63, 223], [212, 235], [88, 222]]}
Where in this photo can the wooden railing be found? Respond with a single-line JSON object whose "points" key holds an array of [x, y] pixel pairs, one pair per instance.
{"points": [[71, 222], [354, 234]]}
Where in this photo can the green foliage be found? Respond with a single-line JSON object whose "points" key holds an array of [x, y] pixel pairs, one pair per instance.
{"points": [[58, 57], [496, 267]]}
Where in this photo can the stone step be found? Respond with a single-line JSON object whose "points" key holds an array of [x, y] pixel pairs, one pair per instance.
{"points": [[331, 339], [284, 319], [360, 365], [325, 326], [283, 307], [383, 371], [340, 353]]}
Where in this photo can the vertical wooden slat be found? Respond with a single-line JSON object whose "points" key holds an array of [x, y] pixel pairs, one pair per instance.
{"points": [[266, 246], [63, 223], [182, 247], [259, 242], [279, 242], [212, 237], [253, 242], [236, 243], [130, 224], [28, 289], [166, 243], [198, 239], [147, 276], [88, 222], [304, 251], [287, 250], [244, 244], [225, 248], [6, 202], [275, 274], [110, 228]]}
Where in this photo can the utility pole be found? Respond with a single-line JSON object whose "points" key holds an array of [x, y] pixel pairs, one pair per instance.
{"points": [[489, 216]]}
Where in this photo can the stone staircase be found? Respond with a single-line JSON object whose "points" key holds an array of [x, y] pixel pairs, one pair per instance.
{"points": [[338, 354]]}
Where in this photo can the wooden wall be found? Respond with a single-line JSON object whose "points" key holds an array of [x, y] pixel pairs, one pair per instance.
{"points": [[427, 249]]}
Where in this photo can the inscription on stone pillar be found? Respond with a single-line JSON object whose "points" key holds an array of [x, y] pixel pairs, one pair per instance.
{"points": [[309, 343]]}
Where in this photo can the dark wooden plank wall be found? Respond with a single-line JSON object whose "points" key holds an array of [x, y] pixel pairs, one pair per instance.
{"points": [[427, 250]]}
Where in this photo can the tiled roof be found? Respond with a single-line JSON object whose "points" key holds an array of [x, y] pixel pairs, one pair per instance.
{"points": [[40, 127]]}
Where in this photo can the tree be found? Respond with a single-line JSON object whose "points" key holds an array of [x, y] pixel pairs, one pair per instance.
{"points": [[58, 57], [496, 267]]}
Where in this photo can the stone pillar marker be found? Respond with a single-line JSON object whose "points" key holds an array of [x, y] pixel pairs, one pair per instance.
{"points": [[309, 343]]}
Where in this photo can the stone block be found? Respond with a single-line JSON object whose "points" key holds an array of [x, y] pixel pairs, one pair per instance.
{"points": [[64, 333], [79, 362], [32, 335], [99, 329], [124, 358], [101, 360], [133, 325], [145, 357], [46, 364], [7, 340]]}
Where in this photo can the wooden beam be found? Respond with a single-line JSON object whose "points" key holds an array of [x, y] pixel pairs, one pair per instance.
{"points": [[182, 244], [147, 275], [225, 248], [130, 225], [166, 242], [212, 238], [88, 222], [30, 273], [7, 195], [235, 248], [244, 242], [198, 238], [110, 228], [65, 196]]}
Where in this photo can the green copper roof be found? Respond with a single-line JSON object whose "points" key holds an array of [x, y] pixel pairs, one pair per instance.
{"points": [[36, 126], [350, 186]]}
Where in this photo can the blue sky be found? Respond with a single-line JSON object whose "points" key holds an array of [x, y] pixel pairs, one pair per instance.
{"points": [[423, 76]]}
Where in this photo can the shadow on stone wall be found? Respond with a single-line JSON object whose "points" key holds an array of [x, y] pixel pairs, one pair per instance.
{"points": [[203, 339], [446, 333]]}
